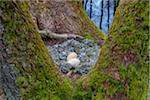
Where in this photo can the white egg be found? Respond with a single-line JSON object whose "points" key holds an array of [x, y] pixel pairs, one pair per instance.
{"points": [[74, 62], [71, 55]]}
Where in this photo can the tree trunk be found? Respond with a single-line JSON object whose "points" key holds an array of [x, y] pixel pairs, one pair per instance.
{"points": [[101, 17], [64, 17], [108, 14], [83, 3], [115, 5], [122, 70], [86, 4], [26, 69], [7, 73], [91, 8]]}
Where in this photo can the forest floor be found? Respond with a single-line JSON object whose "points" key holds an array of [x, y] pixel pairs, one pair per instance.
{"points": [[87, 51]]}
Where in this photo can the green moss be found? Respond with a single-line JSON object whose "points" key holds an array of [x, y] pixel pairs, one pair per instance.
{"points": [[88, 36], [122, 68], [37, 76]]}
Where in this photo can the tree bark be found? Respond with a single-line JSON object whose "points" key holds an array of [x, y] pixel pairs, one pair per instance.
{"points": [[26, 69], [91, 9], [86, 4], [115, 5], [101, 17], [83, 3], [7, 73], [64, 17], [122, 70], [108, 14]]}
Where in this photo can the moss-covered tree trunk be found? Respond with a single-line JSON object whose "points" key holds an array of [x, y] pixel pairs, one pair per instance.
{"points": [[64, 16], [122, 70], [26, 69]]}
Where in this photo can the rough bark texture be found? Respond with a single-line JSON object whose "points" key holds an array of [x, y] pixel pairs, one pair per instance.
{"points": [[122, 70], [26, 69], [64, 17], [7, 74]]}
